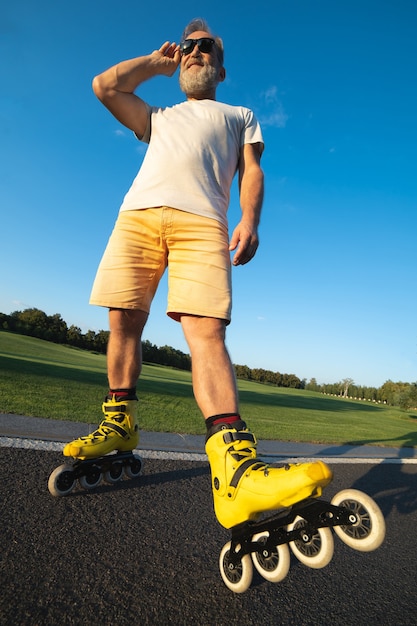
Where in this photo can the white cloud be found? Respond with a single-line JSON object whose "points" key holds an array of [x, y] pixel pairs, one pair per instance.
{"points": [[273, 113], [270, 95], [277, 118]]}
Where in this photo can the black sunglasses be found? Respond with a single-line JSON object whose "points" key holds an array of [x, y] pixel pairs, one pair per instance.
{"points": [[205, 44]]}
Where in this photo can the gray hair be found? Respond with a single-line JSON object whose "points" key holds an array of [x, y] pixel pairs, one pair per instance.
{"points": [[198, 23]]}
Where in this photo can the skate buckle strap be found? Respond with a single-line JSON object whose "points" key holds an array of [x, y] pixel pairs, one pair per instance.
{"points": [[251, 464], [115, 407], [238, 435], [122, 432]]}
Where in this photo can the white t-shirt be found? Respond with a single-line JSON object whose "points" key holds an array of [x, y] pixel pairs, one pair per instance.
{"points": [[192, 157]]}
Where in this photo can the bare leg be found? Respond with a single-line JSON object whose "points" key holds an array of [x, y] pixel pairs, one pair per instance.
{"points": [[124, 351], [213, 375]]}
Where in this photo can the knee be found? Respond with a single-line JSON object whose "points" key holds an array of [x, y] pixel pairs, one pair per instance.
{"points": [[127, 321], [203, 330]]}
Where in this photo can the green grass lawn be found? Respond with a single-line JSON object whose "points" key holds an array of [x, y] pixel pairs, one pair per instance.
{"points": [[42, 379]]}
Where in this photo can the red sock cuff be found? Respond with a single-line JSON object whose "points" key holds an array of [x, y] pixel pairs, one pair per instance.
{"points": [[222, 418]]}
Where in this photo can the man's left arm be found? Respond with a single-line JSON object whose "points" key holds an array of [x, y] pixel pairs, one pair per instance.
{"points": [[251, 186]]}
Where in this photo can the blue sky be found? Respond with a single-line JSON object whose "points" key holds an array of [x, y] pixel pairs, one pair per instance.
{"points": [[332, 291]]}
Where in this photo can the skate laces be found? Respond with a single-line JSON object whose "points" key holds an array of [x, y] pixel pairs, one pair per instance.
{"points": [[107, 428], [240, 451]]}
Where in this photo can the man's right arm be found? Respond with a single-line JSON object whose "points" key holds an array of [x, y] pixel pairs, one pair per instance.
{"points": [[115, 87]]}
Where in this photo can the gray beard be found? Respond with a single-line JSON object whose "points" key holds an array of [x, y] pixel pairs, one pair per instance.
{"points": [[195, 83]]}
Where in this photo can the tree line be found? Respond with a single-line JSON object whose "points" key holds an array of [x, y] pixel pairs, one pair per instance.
{"points": [[36, 323], [392, 393]]}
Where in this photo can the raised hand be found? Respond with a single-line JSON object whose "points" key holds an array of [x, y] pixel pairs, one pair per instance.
{"points": [[168, 57]]}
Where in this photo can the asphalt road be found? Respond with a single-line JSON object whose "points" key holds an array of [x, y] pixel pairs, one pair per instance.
{"points": [[146, 552]]}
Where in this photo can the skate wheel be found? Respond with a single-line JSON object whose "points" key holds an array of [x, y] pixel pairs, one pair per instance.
{"points": [[272, 564], [91, 478], [61, 482], [238, 577], [134, 467], [313, 550], [114, 474], [368, 529]]}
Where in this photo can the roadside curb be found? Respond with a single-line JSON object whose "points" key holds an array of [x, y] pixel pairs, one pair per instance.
{"points": [[45, 434]]}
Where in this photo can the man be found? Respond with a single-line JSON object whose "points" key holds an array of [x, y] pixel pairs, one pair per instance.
{"points": [[175, 216]]}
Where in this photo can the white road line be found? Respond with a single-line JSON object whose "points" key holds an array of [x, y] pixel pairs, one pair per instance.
{"points": [[56, 446]]}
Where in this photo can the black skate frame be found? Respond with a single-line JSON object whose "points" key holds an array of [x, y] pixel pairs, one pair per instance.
{"points": [[104, 463], [315, 513]]}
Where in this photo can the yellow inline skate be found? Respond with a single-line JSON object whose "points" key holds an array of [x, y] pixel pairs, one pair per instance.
{"points": [[106, 453], [245, 488]]}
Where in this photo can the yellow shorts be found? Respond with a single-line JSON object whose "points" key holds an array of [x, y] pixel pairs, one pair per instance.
{"points": [[147, 241]]}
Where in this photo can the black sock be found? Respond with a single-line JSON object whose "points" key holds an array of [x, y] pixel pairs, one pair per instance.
{"points": [[122, 394], [222, 422], [222, 418]]}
